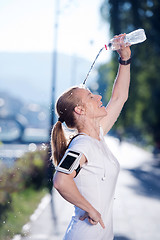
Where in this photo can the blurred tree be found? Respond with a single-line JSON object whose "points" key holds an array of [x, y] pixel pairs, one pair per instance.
{"points": [[141, 113]]}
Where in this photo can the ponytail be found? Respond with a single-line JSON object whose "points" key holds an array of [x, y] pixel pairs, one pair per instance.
{"points": [[58, 143], [65, 110]]}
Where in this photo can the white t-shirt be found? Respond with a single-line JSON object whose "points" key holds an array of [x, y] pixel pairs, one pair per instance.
{"points": [[96, 181]]}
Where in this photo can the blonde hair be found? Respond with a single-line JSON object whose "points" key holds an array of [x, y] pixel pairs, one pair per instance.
{"points": [[65, 109]]}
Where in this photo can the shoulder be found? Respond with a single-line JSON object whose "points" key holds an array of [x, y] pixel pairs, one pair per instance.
{"points": [[80, 140], [82, 144]]}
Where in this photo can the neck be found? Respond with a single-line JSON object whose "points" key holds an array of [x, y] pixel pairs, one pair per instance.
{"points": [[91, 128]]}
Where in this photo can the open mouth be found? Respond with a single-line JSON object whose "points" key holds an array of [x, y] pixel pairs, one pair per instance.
{"points": [[101, 105]]}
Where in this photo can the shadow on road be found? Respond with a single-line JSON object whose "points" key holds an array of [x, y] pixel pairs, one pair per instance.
{"points": [[148, 176], [121, 238]]}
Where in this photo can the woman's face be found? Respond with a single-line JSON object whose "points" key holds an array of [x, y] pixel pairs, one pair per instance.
{"points": [[92, 104]]}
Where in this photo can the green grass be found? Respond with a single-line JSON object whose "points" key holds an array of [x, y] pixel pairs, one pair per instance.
{"points": [[23, 205]]}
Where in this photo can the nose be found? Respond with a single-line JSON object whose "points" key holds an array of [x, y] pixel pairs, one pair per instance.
{"points": [[99, 97]]}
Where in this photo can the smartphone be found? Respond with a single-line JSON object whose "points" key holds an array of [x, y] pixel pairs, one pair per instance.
{"points": [[69, 162]]}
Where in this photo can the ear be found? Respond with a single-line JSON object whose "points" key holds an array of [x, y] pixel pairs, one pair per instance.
{"points": [[79, 110]]}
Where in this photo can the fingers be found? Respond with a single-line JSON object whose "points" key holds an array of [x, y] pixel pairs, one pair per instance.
{"points": [[95, 222], [120, 39], [102, 223], [120, 36], [82, 218], [92, 221]]}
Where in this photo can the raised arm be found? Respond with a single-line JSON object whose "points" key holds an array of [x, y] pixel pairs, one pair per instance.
{"points": [[119, 92]]}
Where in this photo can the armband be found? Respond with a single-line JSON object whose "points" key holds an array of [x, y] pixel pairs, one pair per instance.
{"points": [[70, 162]]}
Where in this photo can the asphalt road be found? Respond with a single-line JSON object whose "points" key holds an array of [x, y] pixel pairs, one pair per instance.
{"points": [[136, 207]]}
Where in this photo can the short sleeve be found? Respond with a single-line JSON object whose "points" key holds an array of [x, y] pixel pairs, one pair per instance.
{"points": [[81, 144]]}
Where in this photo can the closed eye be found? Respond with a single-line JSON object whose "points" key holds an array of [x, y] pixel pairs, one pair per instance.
{"points": [[90, 95]]}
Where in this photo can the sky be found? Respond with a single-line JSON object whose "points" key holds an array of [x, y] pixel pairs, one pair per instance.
{"points": [[29, 26]]}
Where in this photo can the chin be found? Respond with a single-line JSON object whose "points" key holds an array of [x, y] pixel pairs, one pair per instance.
{"points": [[104, 110]]}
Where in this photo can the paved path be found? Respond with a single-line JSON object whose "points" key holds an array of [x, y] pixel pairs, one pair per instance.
{"points": [[136, 208]]}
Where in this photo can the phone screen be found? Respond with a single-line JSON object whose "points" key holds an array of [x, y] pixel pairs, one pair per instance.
{"points": [[68, 161]]}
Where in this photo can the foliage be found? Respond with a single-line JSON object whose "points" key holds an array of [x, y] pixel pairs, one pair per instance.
{"points": [[23, 205], [141, 113], [28, 171]]}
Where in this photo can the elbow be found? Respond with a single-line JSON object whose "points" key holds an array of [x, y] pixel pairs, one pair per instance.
{"points": [[56, 185], [58, 182], [121, 99], [125, 98]]}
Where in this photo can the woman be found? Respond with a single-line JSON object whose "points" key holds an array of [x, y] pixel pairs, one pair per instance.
{"points": [[92, 188]]}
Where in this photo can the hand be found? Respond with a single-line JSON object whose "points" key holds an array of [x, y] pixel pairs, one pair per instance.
{"points": [[124, 52], [94, 217]]}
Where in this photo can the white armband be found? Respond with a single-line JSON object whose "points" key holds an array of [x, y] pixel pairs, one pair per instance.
{"points": [[69, 162]]}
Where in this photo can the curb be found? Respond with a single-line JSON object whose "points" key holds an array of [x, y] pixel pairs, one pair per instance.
{"points": [[26, 228]]}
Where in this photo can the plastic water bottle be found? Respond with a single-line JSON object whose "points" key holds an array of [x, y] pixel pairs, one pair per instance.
{"points": [[134, 37]]}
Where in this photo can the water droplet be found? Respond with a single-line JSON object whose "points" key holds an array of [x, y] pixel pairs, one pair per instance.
{"points": [[43, 146], [4, 222], [32, 147]]}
